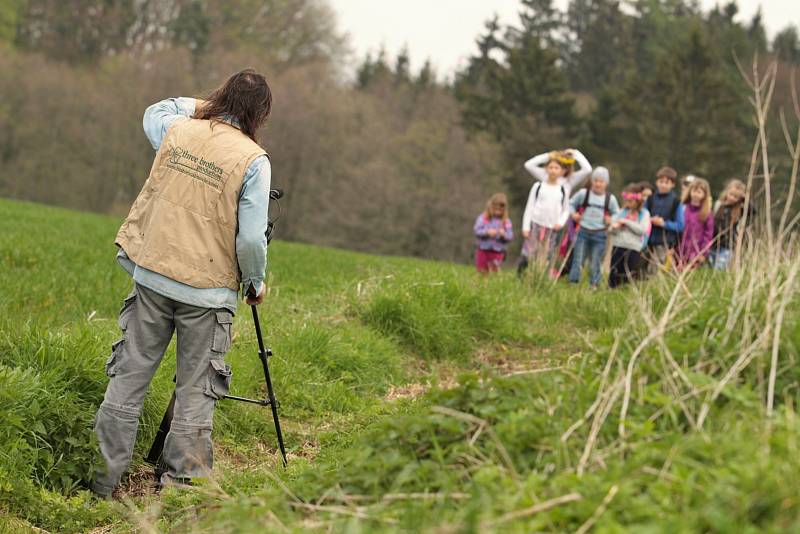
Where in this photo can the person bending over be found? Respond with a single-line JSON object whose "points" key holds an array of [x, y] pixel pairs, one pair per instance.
{"points": [[194, 237]]}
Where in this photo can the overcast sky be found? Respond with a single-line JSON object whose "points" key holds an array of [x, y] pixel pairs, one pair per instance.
{"points": [[445, 30]]}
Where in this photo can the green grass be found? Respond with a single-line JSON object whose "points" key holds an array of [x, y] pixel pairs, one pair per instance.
{"points": [[499, 371]]}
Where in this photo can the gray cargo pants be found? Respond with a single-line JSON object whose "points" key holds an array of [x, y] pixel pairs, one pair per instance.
{"points": [[147, 321]]}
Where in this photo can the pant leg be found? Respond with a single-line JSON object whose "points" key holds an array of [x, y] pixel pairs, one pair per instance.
{"points": [[633, 260], [578, 255], [202, 378], [617, 266], [146, 324], [598, 248], [481, 261], [522, 266]]}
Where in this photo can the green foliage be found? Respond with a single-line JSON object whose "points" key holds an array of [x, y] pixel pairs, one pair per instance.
{"points": [[10, 13], [444, 319], [786, 45]]}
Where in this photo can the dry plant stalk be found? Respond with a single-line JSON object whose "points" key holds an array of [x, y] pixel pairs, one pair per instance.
{"points": [[762, 283]]}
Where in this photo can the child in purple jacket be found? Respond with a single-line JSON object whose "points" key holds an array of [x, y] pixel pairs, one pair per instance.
{"points": [[493, 230], [698, 232]]}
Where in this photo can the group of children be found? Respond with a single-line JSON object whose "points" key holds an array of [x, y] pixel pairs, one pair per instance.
{"points": [[654, 228]]}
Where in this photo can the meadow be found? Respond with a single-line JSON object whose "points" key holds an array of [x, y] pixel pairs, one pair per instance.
{"points": [[416, 396]]}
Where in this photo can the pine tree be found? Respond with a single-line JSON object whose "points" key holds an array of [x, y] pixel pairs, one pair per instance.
{"points": [[786, 45], [515, 90], [688, 114], [600, 43]]}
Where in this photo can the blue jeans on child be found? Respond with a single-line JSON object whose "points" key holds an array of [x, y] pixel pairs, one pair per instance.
{"points": [[590, 245]]}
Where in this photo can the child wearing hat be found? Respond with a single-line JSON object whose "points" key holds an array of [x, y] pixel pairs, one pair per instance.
{"points": [[592, 208]]}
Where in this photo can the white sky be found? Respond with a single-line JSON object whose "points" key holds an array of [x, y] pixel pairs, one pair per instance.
{"points": [[445, 30]]}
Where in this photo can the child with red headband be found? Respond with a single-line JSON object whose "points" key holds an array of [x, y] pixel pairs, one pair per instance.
{"points": [[629, 231]]}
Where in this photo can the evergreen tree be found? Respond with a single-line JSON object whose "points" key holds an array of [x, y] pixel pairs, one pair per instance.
{"points": [[515, 90], [757, 33], [477, 85], [786, 45], [540, 19], [688, 114], [402, 67], [372, 70], [601, 47], [426, 78], [728, 36]]}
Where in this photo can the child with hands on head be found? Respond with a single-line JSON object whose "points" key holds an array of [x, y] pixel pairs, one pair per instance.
{"points": [[629, 231], [493, 230], [547, 209]]}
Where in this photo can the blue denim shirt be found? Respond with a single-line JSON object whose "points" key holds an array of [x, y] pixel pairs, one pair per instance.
{"points": [[251, 242]]}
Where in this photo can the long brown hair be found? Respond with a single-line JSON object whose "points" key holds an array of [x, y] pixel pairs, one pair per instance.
{"points": [[705, 207], [497, 200], [245, 97], [737, 206]]}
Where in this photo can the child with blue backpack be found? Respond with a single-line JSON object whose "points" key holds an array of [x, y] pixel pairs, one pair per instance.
{"points": [[629, 232], [592, 209]]}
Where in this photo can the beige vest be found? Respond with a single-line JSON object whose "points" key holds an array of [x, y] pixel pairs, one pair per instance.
{"points": [[183, 223]]}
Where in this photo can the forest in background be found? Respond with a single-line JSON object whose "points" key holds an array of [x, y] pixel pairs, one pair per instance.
{"points": [[391, 160]]}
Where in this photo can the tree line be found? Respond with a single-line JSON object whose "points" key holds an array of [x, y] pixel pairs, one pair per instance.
{"points": [[391, 160]]}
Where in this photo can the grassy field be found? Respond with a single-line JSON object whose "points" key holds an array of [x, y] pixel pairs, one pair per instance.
{"points": [[417, 397]]}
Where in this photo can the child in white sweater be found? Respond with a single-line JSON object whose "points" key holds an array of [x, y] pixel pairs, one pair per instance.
{"points": [[547, 209]]}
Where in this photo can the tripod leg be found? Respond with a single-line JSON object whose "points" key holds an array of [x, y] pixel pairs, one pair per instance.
{"points": [[155, 457], [263, 354]]}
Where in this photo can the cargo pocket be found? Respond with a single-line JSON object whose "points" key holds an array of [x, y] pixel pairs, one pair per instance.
{"points": [[127, 310], [112, 364], [219, 379], [221, 342]]}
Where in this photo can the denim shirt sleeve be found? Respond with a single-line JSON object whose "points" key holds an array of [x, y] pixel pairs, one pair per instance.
{"points": [[161, 115], [251, 240]]}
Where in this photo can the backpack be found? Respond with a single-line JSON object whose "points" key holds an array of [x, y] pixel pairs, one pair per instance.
{"points": [[585, 204]]}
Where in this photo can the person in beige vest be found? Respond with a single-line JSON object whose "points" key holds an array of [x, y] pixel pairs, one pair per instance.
{"points": [[194, 238]]}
